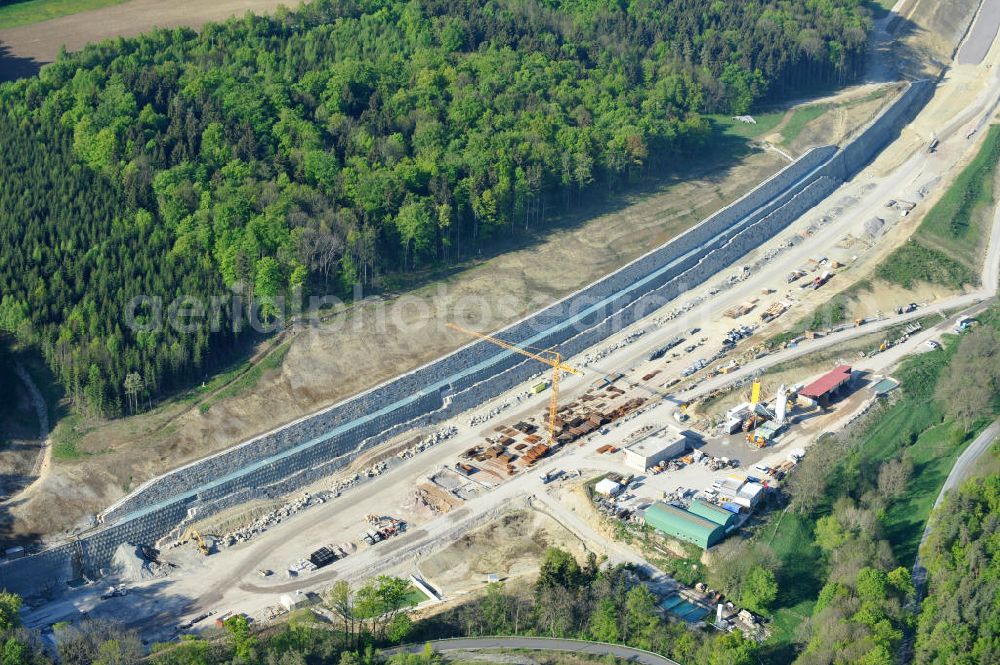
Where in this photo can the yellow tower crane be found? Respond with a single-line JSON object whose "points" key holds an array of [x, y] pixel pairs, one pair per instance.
{"points": [[751, 422], [551, 358]]}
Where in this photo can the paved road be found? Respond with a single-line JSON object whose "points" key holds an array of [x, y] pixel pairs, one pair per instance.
{"points": [[981, 35], [959, 472], [538, 643]]}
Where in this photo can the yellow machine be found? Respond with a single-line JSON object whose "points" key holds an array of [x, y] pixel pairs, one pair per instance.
{"points": [[551, 358], [753, 417], [191, 534]]}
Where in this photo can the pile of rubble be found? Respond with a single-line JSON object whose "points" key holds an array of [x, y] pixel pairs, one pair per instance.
{"points": [[608, 350], [272, 518], [376, 469], [430, 440], [344, 483], [683, 309], [134, 563], [480, 418]]}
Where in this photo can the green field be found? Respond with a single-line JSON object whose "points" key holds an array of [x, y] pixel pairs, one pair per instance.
{"points": [[33, 11], [957, 222], [800, 118], [65, 438], [729, 127], [414, 597], [915, 262], [799, 578]]}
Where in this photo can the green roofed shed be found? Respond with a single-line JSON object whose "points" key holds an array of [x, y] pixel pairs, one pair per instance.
{"points": [[713, 513], [683, 525]]}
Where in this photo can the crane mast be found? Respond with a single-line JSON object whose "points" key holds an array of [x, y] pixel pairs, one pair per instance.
{"points": [[547, 356]]}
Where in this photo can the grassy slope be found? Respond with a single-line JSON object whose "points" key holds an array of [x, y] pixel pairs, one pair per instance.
{"points": [[34, 11], [800, 118], [933, 456], [800, 579], [728, 127], [956, 223], [947, 245]]}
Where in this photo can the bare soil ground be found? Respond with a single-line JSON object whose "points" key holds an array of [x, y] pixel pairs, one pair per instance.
{"points": [[931, 31], [511, 546]]}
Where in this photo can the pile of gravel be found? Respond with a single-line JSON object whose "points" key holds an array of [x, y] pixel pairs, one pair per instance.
{"points": [[131, 566]]}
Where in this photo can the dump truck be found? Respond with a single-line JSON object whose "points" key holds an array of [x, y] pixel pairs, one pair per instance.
{"points": [[821, 279]]}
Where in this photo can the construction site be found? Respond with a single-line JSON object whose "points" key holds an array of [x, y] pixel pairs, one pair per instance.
{"points": [[683, 414]]}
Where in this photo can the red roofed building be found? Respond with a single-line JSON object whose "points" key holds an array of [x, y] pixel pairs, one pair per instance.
{"points": [[828, 386]]}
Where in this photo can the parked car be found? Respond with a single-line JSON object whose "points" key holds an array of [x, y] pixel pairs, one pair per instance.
{"points": [[933, 345]]}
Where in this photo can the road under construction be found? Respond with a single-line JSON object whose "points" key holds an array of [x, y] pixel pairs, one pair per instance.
{"points": [[906, 170]]}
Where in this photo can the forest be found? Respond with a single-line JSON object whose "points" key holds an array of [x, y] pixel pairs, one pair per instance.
{"points": [[959, 620], [345, 142], [569, 599]]}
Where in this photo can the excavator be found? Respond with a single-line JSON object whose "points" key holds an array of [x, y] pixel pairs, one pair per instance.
{"points": [[191, 534]]}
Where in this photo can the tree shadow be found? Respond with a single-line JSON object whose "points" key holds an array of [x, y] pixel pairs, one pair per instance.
{"points": [[11, 481], [13, 67], [149, 609]]}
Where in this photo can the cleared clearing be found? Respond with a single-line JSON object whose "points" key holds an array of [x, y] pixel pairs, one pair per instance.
{"points": [[510, 546]]}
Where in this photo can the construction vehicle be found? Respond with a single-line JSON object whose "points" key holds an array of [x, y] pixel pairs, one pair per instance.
{"points": [[547, 356], [191, 534], [821, 280]]}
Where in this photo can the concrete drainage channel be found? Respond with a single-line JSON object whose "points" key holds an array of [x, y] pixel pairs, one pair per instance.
{"points": [[316, 446]]}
